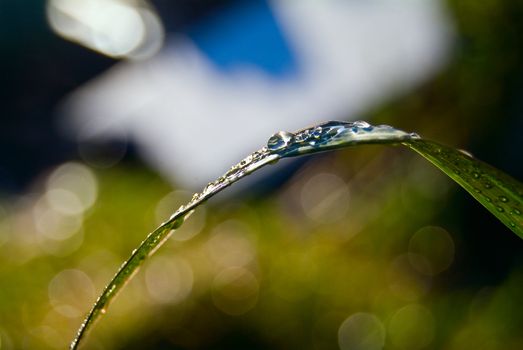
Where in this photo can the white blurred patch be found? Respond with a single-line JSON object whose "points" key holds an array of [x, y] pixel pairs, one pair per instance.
{"points": [[191, 121], [115, 28], [72, 188]]}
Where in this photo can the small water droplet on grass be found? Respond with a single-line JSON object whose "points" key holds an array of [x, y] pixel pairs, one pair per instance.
{"points": [[280, 140]]}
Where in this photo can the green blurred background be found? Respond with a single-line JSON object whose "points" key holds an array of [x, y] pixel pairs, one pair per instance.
{"points": [[358, 249]]}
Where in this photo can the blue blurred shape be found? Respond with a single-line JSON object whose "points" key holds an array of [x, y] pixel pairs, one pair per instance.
{"points": [[245, 34]]}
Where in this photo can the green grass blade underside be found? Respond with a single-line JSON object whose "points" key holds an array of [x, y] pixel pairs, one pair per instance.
{"points": [[501, 194]]}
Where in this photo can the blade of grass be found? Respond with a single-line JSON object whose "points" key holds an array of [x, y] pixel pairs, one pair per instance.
{"points": [[498, 192], [156, 238], [124, 275], [501, 194]]}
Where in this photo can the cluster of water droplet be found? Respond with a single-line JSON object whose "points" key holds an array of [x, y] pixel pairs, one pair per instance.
{"points": [[324, 136], [244, 167], [331, 135]]}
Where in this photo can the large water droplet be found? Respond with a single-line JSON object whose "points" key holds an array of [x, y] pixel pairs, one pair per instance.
{"points": [[316, 133], [361, 124], [280, 140], [302, 136]]}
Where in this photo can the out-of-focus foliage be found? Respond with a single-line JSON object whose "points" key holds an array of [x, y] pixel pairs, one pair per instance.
{"points": [[370, 242]]}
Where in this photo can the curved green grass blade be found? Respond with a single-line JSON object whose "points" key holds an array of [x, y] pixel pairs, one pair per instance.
{"points": [[124, 274], [498, 192], [156, 238], [501, 194]]}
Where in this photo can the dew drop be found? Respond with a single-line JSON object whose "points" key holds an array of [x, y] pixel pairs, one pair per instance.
{"points": [[500, 209], [332, 132], [280, 140], [475, 175], [413, 135], [503, 199], [488, 185], [515, 211], [361, 124], [467, 153]]}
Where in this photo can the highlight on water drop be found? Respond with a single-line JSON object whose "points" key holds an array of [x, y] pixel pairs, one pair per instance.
{"points": [[280, 140]]}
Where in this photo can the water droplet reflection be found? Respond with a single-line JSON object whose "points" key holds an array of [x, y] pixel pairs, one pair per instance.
{"points": [[280, 140]]}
